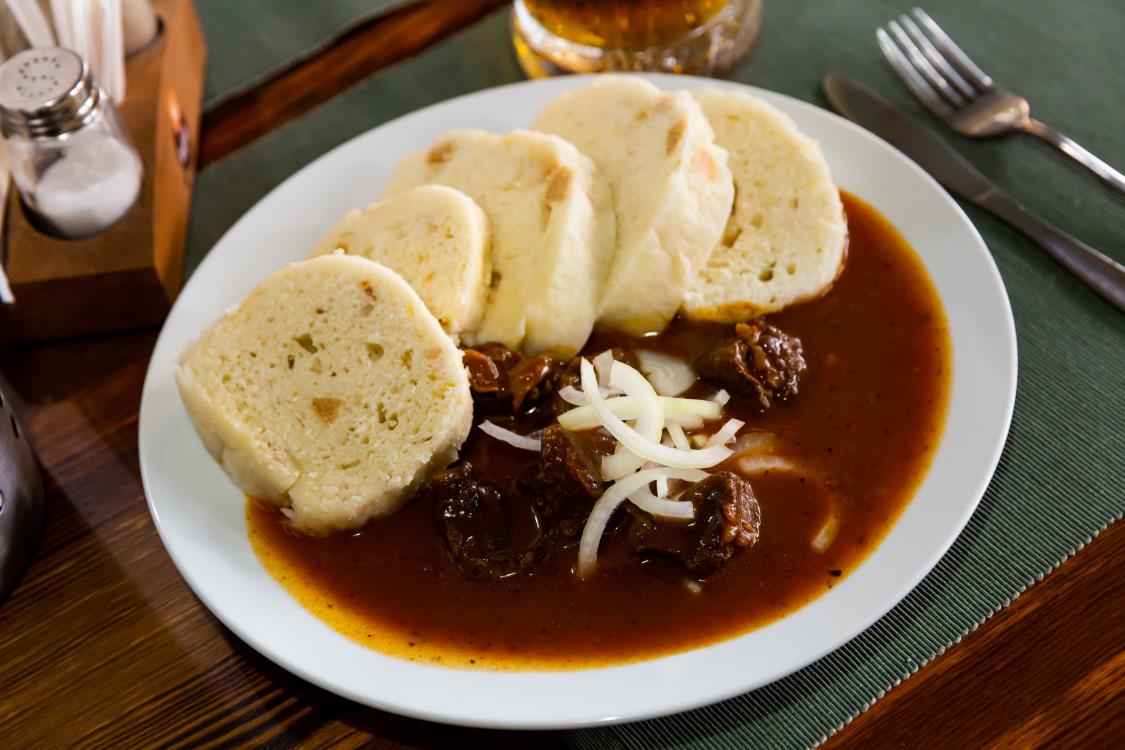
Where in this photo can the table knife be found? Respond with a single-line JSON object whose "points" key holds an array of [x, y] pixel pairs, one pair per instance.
{"points": [[864, 107]]}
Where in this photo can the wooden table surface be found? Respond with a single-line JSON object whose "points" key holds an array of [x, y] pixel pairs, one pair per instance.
{"points": [[103, 645]]}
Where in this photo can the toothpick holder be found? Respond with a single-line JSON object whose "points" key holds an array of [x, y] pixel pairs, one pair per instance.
{"points": [[127, 276]]}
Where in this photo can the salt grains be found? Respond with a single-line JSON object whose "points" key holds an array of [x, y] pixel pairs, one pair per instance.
{"points": [[89, 188]]}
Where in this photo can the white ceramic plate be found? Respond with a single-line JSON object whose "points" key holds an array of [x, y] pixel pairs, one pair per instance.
{"points": [[200, 515]]}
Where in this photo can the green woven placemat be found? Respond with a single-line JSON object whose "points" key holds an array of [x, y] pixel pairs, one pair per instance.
{"points": [[248, 40], [1062, 476]]}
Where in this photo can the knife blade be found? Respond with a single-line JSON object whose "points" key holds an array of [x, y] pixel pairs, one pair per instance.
{"points": [[867, 109], [864, 107]]}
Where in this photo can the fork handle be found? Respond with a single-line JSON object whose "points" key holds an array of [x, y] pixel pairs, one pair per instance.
{"points": [[1071, 148], [1101, 273]]}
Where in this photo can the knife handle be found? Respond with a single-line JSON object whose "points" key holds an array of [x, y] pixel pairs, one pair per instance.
{"points": [[1101, 273]]}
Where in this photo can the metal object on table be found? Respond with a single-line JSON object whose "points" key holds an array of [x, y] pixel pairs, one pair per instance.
{"points": [[6, 296], [21, 497], [863, 106], [958, 92]]}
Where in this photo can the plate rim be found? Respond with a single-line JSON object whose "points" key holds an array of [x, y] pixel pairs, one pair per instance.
{"points": [[669, 706]]}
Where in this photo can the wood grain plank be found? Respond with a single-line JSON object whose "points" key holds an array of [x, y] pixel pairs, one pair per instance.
{"points": [[102, 644], [1048, 671], [353, 57]]}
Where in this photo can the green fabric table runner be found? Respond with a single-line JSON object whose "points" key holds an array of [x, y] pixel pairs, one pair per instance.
{"points": [[249, 40], [1062, 476]]}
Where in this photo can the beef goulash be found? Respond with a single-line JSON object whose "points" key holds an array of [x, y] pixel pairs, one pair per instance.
{"points": [[554, 495]]}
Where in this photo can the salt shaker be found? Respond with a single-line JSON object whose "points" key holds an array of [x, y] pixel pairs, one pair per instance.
{"points": [[70, 157]]}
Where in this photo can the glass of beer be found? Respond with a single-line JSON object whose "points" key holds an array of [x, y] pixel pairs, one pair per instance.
{"points": [[700, 37]]}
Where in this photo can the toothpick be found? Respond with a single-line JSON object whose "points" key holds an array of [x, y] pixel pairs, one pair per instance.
{"points": [[112, 50], [32, 22]]}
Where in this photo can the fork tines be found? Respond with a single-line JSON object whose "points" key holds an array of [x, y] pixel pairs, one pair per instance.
{"points": [[931, 65]]}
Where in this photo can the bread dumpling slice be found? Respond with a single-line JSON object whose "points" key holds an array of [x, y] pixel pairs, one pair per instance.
{"points": [[551, 217], [330, 390], [671, 187], [787, 235], [433, 236]]}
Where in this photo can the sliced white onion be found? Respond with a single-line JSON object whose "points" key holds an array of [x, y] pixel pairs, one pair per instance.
{"points": [[689, 413], [726, 433], [621, 463], [572, 395], [669, 489], [699, 409], [647, 449], [754, 441], [661, 507], [685, 420], [603, 363], [575, 397], [756, 464], [679, 437], [511, 438], [669, 375], [650, 421], [827, 534], [721, 398], [617, 493]]}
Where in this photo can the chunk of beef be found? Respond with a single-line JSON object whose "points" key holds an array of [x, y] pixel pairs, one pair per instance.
{"points": [[761, 364], [485, 376], [571, 376], [533, 380], [473, 519], [637, 525], [564, 484], [506, 382], [727, 519]]}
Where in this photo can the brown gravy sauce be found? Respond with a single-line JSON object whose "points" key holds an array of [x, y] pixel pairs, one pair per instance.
{"points": [[865, 424]]}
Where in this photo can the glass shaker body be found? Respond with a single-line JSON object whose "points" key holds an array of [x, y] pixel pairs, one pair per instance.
{"points": [[69, 155], [80, 183]]}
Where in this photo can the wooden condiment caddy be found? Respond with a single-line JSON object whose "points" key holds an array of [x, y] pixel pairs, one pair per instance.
{"points": [[127, 276]]}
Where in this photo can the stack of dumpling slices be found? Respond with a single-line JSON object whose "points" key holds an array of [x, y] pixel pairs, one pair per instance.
{"points": [[625, 204], [335, 388]]}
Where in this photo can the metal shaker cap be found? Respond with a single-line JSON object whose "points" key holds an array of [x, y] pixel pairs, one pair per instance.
{"points": [[46, 92]]}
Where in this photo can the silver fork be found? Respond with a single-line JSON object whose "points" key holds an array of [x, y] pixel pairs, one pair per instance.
{"points": [[951, 86]]}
